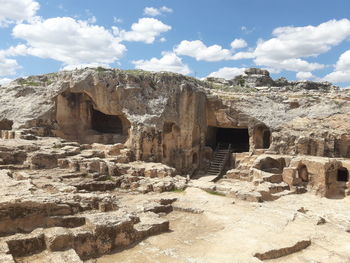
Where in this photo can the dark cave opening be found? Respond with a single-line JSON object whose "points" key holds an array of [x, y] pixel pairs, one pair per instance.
{"points": [[237, 137], [266, 139], [342, 175], [105, 123]]}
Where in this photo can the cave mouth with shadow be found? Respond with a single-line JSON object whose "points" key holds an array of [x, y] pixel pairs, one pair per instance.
{"points": [[105, 123], [237, 137]]}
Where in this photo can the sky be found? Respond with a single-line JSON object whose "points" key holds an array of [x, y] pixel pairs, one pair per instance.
{"points": [[296, 39]]}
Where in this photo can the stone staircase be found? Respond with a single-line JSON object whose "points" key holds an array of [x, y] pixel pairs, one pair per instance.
{"points": [[219, 161], [243, 163]]}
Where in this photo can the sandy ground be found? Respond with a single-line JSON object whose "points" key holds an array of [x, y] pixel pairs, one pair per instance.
{"points": [[232, 231]]}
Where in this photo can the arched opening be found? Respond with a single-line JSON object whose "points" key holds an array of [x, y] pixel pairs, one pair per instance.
{"points": [[342, 175], [262, 137], [266, 139], [104, 123], [170, 144], [303, 173]]}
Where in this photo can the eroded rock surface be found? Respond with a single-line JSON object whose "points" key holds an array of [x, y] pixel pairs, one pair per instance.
{"points": [[159, 167]]}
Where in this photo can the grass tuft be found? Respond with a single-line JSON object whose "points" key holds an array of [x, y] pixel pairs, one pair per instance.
{"points": [[214, 193]]}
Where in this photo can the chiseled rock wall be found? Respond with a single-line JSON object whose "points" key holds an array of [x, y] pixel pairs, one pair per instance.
{"points": [[165, 116]]}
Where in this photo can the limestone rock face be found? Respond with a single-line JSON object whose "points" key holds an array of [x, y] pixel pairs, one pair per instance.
{"points": [[255, 77], [257, 71], [94, 161], [170, 118]]}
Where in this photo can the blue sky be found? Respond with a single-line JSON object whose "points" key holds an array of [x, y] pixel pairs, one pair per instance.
{"points": [[292, 38]]}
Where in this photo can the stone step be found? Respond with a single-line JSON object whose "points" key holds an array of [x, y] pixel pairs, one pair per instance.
{"points": [[214, 168], [217, 161], [214, 171], [215, 164], [103, 233]]}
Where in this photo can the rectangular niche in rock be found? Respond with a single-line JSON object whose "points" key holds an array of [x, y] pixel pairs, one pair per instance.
{"points": [[237, 137]]}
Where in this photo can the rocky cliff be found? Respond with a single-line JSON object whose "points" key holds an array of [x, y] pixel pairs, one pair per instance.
{"points": [[166, 117]]}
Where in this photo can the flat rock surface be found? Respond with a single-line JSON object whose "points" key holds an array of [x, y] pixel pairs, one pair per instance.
{"points": [[231, 230]]}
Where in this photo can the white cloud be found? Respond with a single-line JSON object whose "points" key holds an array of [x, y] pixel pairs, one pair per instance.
{"points": [[12, 11], [343, 63], [304, 75], [92, 20], [4, 81], [163, 39], [70, 41], [145, 30], [227, 73], [165, 9], [198, 50], [8, 66], [243, 55], [341, 72], [169, 62], [19, 50], [247, 30], [152, 11], [238, 43], [293, 64], [290, 44], [117, 20]]}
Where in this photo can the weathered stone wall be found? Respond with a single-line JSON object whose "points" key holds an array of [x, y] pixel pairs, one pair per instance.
{"points": [[162, 117], [165, 117]]}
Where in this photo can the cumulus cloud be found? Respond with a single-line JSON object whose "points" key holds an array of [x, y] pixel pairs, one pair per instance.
{"points": [[169, 62], [152, 11], [70, 41], [292, 64], [198, 50], [341, 72], [145, 30], [304, 75], [13, 51], [238, 43], [13, 11], [243, 55], [287, 50], [227, 73], [290, 44], [4, 81], [8, 66]]}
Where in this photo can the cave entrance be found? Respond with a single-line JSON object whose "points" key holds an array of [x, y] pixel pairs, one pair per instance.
{"points": [[303, 173], [266, 139], [238, 138], [342, 175], [105, 123], [262, 137], [337, 182]]}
